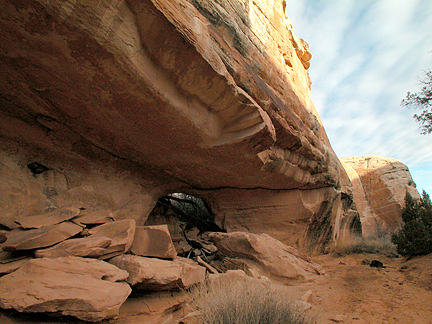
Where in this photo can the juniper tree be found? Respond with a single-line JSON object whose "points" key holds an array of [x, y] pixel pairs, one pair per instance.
{"points": [[415, 235], [422, 100]]}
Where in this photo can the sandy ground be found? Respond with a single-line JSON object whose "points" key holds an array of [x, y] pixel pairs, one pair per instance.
{"points": [[357, 293], [349, 292]]}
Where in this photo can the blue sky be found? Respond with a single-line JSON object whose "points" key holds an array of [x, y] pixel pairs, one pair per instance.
{"points": [[366, 55]]}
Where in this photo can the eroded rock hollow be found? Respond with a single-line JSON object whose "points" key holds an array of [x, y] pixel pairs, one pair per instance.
{"points": [[113, 104]]}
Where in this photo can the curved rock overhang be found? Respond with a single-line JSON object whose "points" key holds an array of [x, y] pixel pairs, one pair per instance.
{"points": [[185, 93]]}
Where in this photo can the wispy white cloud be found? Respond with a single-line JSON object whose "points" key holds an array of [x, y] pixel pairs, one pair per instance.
{"points": [[366, 55]]}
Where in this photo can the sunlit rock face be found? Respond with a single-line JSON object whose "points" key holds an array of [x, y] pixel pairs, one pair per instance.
{"points": [[121, 102], [380, 185]]}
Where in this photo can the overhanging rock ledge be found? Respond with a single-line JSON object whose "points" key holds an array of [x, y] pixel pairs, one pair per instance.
{"points": [[121, 102]]}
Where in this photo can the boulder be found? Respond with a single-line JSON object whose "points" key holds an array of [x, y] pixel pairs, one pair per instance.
{"points": [[153, 241], [91, 246], [155, 274], [380, 185], [272, 256], [84, 288], [121, 234], [38, 238], [154, 308]]}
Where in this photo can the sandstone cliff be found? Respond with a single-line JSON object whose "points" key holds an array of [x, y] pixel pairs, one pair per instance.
{"points": [[380, 185], [113, 104]]}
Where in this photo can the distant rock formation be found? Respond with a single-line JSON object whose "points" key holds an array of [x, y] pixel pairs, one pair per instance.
{"points": [[380, 185]]}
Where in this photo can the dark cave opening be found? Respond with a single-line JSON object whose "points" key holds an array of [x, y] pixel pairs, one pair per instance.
{"points": [[188, 218]]}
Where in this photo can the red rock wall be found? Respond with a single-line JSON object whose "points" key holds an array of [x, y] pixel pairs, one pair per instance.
{"points": [[380, 185], [153, 96]]}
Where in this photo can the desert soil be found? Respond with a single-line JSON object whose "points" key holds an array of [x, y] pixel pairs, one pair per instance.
{"points": [[357, 293], [349, 292]]}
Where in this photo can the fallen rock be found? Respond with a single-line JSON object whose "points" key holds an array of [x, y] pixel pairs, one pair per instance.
{"points": [[231, 276], [38, 238], [6, 257], [339, 318], [303, 306], [307, 296], [3, 236], [50, 218], [12, 266], [92, 246], [121, 234], [155, 274], [271, 255], [95, 218], [153, 304], [84, 288], [153, 241]]}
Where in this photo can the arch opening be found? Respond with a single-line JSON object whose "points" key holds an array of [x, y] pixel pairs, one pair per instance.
{"points": [[187, 217]]}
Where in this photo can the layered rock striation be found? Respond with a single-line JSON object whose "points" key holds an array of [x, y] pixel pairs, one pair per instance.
{"points": [[107, 106], [116, 103], [380, 185]]}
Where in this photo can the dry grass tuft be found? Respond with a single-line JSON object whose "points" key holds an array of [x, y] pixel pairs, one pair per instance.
{"points": [[245, 303], [368, 245]]}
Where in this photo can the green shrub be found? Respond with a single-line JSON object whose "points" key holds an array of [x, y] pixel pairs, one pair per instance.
{"points": [[245, 303], [415, 235]]}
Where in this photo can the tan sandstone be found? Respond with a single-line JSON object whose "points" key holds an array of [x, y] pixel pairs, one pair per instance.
{"points": [[272, 256], [121, 234], [92, 246], [156, 274], [96, 217], [380, 185], [50, 218], [38, 238], [153, 241], [84, 288]]}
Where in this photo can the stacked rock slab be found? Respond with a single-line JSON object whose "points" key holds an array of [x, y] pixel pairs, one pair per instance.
{"points": [[380, 185], [84, 288]]}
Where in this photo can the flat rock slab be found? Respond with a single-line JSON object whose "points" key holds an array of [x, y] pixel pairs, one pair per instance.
{"points": [[155, 274], [274, 257], [95, 218], [10, 267], [39, 238], [153, 241], [84, 288], [50, 218], [121, 234], [91, 246]]}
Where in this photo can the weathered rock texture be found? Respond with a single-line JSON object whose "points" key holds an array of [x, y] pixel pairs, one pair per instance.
{"points": [[380, 185], [84, 288], [153, 241], [155, 274], [270, 256], [112, 104]]}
